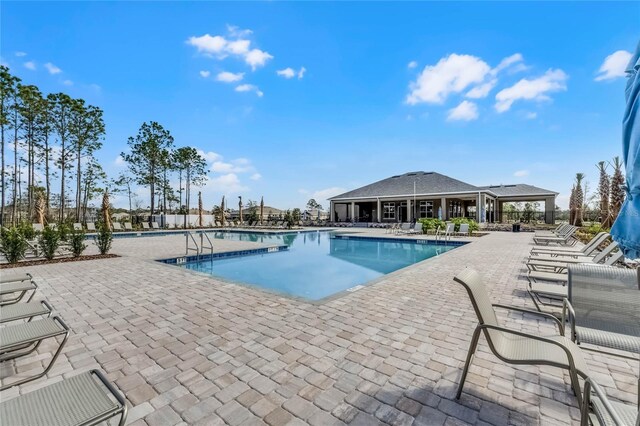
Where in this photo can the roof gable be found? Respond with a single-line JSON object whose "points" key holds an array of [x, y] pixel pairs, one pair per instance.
{"points": [[425, 183]]}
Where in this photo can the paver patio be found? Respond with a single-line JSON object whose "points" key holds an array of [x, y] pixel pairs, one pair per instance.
{"points": [[186, 348]]}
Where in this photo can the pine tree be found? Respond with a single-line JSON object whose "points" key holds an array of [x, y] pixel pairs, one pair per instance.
{"points": [[617, 189], [578, 200], [604, 190]]}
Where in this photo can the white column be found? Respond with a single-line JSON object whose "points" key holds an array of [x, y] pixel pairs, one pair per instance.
{"points": [[379, 211], [332, 211], [409, 210], [353, 211], [443, 204]]}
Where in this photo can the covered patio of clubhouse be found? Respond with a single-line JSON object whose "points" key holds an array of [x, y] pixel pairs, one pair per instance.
{"points": [[415, 195]]}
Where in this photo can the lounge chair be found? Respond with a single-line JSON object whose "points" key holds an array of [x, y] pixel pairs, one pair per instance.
{"points": [[560, 263], [562, 278], [117, 227], [77, 226], [597, 410], [145, 226], [405, 227], [38, 227], [417, 228], [128, 226], [563, 239], [10, 278], [155, 225], [91, 227], [28, 311], [86, 399], [586, 250], [549, 233], [22, 339], [464, 230], [603, 307], [20, 287], [516, 347]]}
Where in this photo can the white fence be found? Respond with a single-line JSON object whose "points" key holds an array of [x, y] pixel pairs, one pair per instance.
{"points": [[173, 220]]}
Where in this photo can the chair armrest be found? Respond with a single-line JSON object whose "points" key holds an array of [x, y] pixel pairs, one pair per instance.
{"points": [[590, 385], [572, 365], [530, 311], [571, 316]]}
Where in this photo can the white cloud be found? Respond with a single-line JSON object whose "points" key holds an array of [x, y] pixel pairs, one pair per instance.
{"points": [[210, 156], [256, 176], [249, 88], [466, 111], [20, 54], [535, 89], [290, 72], [52, 68], [227, 183], [239, 165], [482, 90], [119, 161], [30, 65], [205, 74], [67, 83], [451, 74], [322, 195], [229, 77], [208, 44], [456, 73], [257, 58], [521, 173], [614, 66], [412, 64], [531, 115], [516, 58], [234, 44], [303, 191]]}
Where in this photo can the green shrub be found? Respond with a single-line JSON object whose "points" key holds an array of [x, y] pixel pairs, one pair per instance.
{"points": [[473, 225], [26, 229], [49, 242], [64, 230], [13, 244], [76, 240], [103, 238], [431, 224]]}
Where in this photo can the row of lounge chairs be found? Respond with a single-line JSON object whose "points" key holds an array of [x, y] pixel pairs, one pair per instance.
{"points": [[85, 399], [599, 301]]}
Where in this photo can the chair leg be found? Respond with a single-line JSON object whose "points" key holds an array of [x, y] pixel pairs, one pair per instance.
{"points": [[472, 350]]}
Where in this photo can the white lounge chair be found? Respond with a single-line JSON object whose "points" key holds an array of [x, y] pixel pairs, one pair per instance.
{"points": [[91, 227]]}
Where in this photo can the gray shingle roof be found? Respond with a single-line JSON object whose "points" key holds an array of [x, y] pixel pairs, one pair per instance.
{"points": [[426, 183], [517, 190], [432, 183]]}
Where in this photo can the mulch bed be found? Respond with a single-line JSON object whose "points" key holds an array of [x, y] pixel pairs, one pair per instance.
{"points": [[58, 260]]}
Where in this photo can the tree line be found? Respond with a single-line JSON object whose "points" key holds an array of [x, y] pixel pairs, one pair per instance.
{"points": [[54, 139], [52, 136]]}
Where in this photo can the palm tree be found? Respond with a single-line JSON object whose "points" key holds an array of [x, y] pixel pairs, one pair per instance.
{"points": [[617, 189], [579, 200], [572, 204], [604, 190]]}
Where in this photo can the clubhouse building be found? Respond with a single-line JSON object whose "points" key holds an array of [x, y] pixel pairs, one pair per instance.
{"points": [[414, 195]]}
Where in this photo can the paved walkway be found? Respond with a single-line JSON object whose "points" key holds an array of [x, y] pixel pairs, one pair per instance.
{"points": [[189, 349]]}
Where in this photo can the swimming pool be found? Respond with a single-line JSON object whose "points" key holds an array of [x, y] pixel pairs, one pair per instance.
{"points": [[316, 264]]}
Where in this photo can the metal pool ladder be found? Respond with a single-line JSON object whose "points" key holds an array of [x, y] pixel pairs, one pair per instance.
{"points": [[190, 237]]}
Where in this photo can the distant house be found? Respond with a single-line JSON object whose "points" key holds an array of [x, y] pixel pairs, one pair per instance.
{"points": [[404, 198], [267, 212]]}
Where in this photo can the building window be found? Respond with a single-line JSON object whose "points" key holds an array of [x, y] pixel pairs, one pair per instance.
{"points": [[426, 209], [389, 211]]}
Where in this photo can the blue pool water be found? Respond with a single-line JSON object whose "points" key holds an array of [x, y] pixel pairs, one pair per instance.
{"points": [[317, 264]]}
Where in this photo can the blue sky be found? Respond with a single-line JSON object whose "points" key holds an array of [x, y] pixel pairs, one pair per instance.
{"points": [[300, 100]]}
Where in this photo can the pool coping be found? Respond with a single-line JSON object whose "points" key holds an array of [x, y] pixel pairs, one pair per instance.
{"points": [[278, 249]]}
